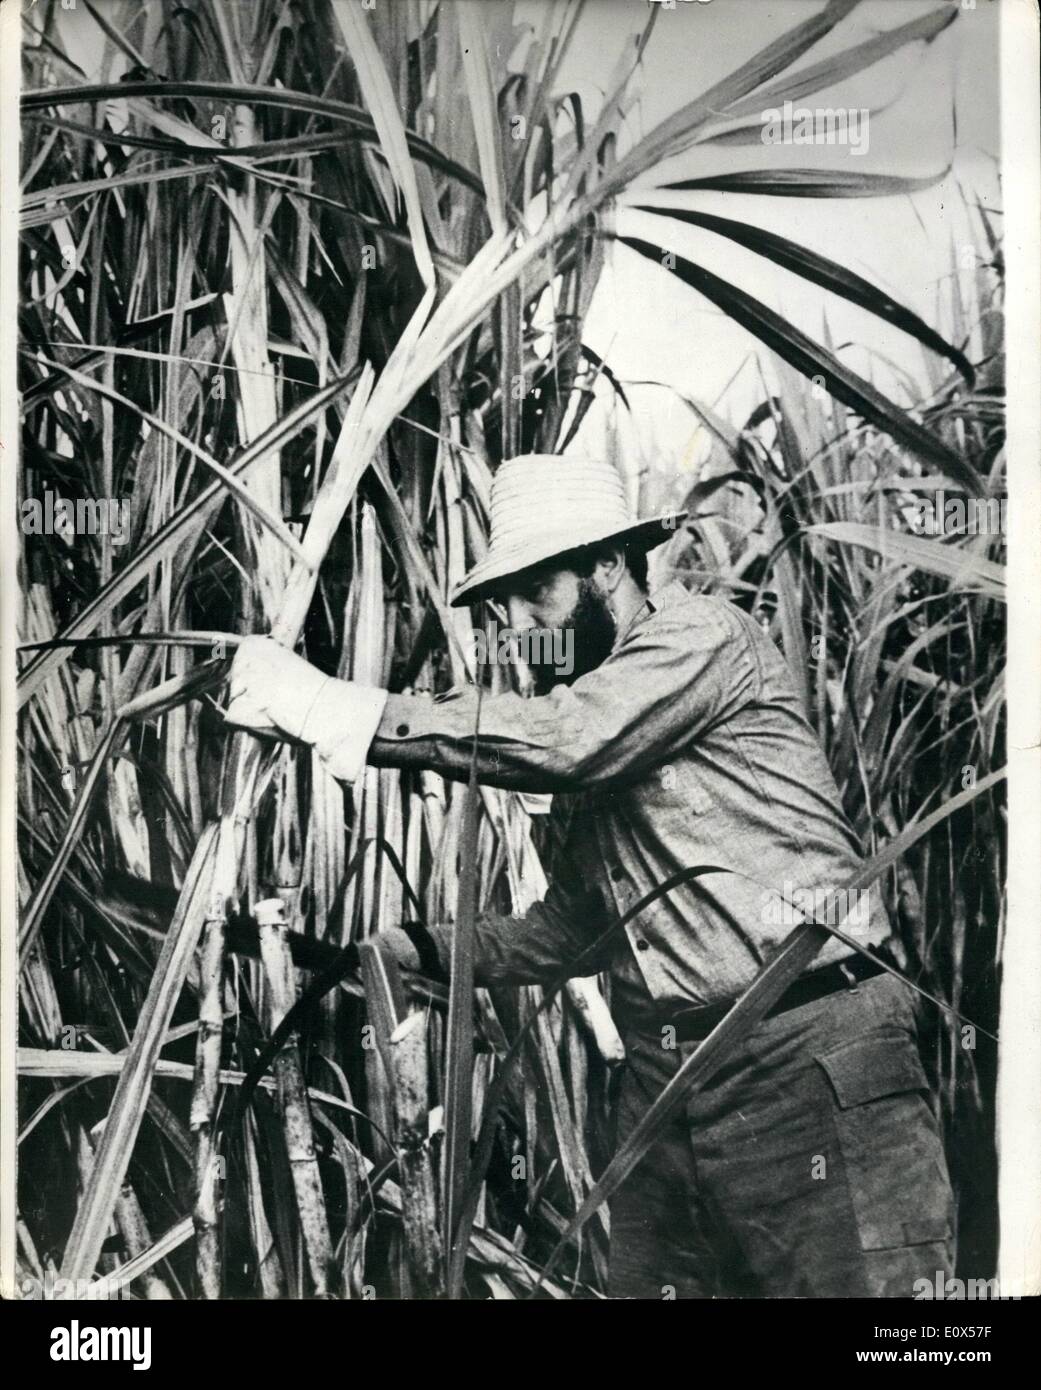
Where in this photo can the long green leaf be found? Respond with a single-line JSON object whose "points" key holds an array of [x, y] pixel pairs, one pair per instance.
{"points": [[812, 360], [171, 535], [849, 63], [135, 1079], [962, 567], [810, 183], [459, 1059], [358, 120], [823, 271]]}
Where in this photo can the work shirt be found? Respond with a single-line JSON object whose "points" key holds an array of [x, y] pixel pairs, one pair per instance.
{"points": [[686, 746]]}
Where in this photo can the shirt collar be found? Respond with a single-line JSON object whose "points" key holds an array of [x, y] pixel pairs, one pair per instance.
{"points": [[660, 598]]}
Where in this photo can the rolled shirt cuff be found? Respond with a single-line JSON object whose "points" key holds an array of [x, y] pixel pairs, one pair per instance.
{"points": [[342, 724]]}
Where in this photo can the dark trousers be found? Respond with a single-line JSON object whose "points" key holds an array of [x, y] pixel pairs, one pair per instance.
{"points": [[810, 1166]]}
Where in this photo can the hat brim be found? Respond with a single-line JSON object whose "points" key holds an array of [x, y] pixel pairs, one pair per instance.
{"points": [[487, 575]]}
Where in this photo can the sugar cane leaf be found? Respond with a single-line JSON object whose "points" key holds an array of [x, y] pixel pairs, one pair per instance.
{"points": [[460, 1044], [382, 104], [32, 917], [848, 63], [172, 534], [484, 109], [135, 1079], [812, 360], [962, 567], [239, 491], [359, 122], [823, 271], [677, 132], [809, 183]]}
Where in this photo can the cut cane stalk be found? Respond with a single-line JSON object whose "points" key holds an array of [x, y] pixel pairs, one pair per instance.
{"points": [[292, 1096], [408, 1050], [202, 1116]]}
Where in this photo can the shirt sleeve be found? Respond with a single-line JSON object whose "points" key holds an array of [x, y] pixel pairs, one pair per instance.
{"points": [[534, 947], [341, 725], [669, 681]]}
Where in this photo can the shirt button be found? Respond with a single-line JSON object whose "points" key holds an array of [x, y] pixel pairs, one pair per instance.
{"points": [[401, 730], [617, 873], [643, 946]]}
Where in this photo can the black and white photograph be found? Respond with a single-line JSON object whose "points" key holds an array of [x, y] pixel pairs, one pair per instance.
{"points": [[521, 640]]}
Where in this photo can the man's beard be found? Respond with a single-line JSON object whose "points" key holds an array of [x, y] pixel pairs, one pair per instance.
{"points": [[592, 629]]}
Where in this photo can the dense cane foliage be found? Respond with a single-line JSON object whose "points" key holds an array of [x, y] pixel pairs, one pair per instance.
{"points": [[295, 278]]}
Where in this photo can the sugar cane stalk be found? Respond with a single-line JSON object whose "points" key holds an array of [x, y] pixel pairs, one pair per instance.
{"points": [[408, 1051], [204, 1102], [292, 1095]]}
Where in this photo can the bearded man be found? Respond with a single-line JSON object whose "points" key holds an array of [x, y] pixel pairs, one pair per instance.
{"points": [[811, 1163]]}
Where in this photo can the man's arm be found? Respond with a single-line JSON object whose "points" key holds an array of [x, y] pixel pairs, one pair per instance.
{"points": [[675, 675], [644, 703], [538, 946], [669, 681], [553, 938], [541, 944]]}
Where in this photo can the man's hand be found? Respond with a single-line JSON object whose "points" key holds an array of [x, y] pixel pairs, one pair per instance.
{"points": [[272, 691]]}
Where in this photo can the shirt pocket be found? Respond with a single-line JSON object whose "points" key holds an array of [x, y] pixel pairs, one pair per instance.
{"points": [[891, 1146]]}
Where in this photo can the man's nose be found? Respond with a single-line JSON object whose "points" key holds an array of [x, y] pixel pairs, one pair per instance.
{"points": [[519, 613]]}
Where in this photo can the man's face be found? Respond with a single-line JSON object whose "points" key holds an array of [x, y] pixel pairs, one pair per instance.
{"points": [[551, 597]]}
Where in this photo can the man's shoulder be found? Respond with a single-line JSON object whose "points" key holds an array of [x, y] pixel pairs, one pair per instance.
{"points": [[674, 608]]}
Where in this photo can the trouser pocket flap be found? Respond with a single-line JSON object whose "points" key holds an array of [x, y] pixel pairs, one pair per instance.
{"points": [[890, 1141], [869, 1068]]}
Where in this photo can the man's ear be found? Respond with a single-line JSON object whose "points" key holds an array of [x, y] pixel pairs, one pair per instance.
{"points": [[610, 568]]}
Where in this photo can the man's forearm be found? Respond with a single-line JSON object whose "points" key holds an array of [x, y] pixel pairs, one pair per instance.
{"points": [[642, 705], [551, 743], [533, 948]]}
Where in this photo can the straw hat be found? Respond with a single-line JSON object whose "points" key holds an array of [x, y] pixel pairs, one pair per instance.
{"points": [[544, 505]]}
